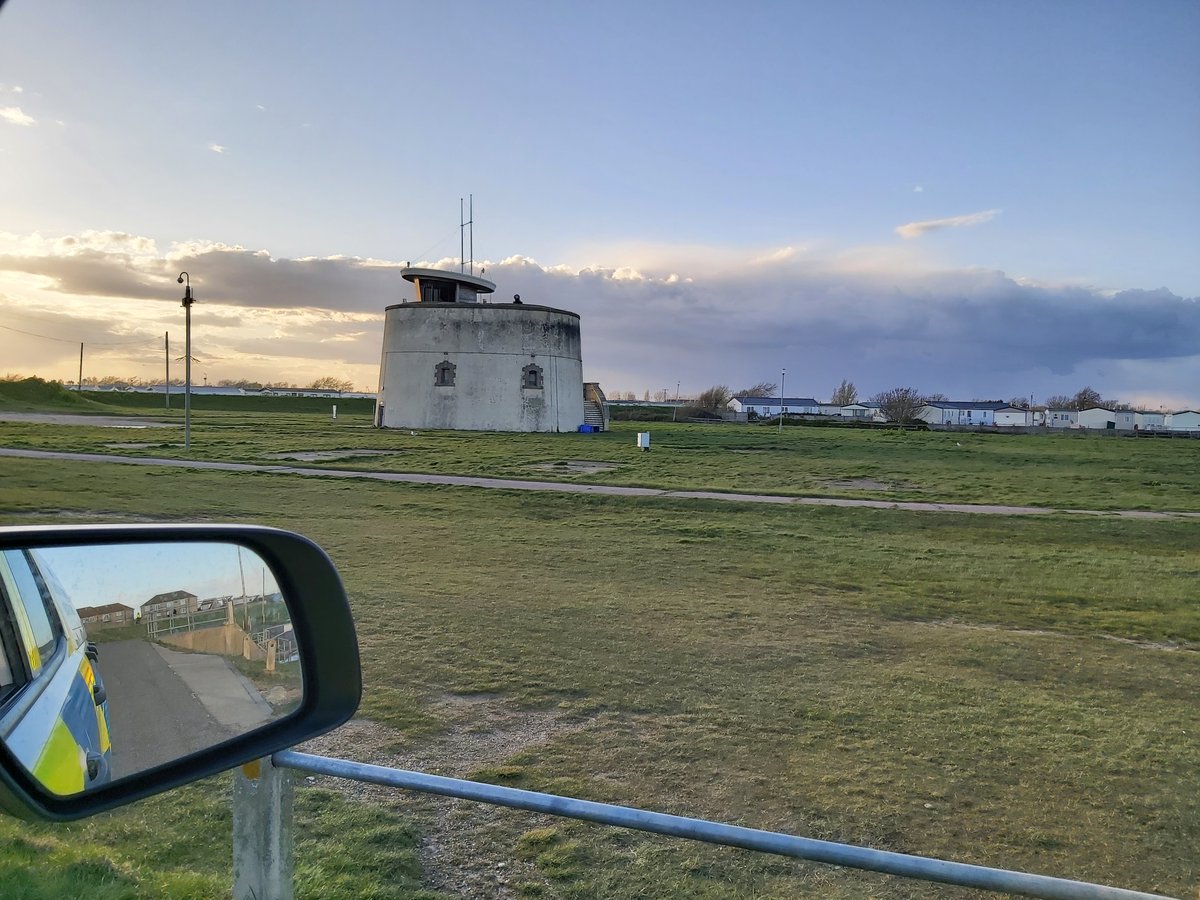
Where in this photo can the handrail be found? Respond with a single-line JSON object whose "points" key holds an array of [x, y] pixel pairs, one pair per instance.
{"points": [[922, 867]]}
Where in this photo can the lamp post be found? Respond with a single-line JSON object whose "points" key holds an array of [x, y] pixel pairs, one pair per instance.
{"points": [[782, 379], [188, 300]]}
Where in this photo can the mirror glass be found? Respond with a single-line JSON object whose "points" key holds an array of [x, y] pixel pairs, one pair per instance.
{"points": [[115, 659]]}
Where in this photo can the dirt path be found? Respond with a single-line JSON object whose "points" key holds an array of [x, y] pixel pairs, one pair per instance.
{"points": [[607, 489]]}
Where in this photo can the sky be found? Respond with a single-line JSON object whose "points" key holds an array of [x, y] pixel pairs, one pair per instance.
{"points": [[987, 200], [134, 573]]}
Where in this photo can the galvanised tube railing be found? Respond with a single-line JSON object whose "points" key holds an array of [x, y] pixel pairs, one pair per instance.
{"points": [[924, 868]]}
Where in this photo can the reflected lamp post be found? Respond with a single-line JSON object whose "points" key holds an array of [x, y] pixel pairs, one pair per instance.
{"points": [[188, 300]]}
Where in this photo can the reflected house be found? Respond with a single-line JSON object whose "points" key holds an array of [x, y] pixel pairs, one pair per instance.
{"points": [[172, 603], [109, 615]]}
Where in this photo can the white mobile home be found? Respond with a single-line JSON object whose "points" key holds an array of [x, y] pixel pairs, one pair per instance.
{"points": [[770, 406], [1184, 420], [1150, 421], [959, 412]]}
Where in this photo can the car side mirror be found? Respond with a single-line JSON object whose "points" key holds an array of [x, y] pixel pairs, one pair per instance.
{"points": [[134, 659]]}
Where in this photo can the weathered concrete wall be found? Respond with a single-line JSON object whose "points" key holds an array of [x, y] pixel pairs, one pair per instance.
{"points": [[489, 346], [226, 640]]}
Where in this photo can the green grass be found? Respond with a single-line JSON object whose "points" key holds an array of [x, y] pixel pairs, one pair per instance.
{"points": [[995, 690], [1058, 471], [36, 395], [179, 845]]}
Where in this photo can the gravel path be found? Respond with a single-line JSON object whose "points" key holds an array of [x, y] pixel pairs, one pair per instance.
{"points": [[609, 489]]}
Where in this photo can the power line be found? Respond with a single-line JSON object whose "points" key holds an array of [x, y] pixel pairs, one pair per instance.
{"points": [[49, 337]]}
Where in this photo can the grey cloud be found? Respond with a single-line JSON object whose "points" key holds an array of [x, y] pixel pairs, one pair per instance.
{"points": [[965, 332]]}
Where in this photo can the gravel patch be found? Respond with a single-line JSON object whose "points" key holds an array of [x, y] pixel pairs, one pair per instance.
{"points": [[327, 455], [575, 467], [466, 847]]}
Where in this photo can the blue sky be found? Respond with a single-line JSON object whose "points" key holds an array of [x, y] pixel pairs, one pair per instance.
{"points": [[133, 573], [693, 171]]}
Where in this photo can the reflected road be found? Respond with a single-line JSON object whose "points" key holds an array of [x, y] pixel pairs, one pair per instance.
{"points": [[163, 704]]}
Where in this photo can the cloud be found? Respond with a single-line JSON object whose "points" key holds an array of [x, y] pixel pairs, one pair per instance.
{"points": [[880, 316], [918, 189], [14, 115], [217, 148], [916, 229]]}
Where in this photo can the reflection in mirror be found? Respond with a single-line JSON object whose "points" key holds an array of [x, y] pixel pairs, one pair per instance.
{"points": [[115, 659]]}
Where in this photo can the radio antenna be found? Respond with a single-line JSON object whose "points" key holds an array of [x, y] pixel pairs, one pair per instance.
{"points": [[466, 218]]}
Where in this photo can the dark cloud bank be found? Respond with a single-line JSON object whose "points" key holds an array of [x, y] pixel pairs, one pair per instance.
{"points": [[966, 332]]}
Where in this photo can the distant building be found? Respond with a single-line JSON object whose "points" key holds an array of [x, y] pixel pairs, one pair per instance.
{"points": [[1062, 418], [962, 412], [1184, 420], [109, 615], [172, 603], [770, 406]]}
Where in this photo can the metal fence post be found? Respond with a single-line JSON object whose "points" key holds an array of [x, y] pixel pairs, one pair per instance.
{"points": [[262, 832]]}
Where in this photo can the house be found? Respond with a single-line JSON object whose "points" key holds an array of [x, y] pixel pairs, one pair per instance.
{"points": [[172, 603], [1184, 420], [769, 406], [1062, 418], [865, 412], [1011, 416], [1150, 421], [962, 412], [1099, 418], [109, 615]]}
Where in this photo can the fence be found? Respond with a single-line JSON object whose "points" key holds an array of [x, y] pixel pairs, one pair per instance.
{"points": [[262, 832]]}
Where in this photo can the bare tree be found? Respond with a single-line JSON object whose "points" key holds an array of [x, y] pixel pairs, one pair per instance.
{"points": [[1019, 403], [938, 397], [845, 394], [1087, 398], [715, 399], [332, 383], [762, 389], [900, 404], [1060, 401], [662, 395]]}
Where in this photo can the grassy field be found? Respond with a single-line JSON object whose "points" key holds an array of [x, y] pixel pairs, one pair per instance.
{"points": [[1057, 471], [1017, 692]]}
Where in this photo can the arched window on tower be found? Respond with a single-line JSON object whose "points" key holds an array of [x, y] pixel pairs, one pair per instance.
{"points": [[531, 378], [443, 374]]}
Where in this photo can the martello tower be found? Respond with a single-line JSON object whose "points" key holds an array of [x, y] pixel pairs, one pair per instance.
{"points": [[453, 360]]}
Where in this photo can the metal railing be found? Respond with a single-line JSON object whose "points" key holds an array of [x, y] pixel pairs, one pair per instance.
{"points": [[262, 845]]}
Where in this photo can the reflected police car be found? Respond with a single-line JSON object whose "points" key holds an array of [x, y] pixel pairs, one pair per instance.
{"points": [[53, 706]]}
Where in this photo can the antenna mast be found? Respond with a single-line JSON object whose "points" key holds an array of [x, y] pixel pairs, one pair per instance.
{"points": [[463, 223]]}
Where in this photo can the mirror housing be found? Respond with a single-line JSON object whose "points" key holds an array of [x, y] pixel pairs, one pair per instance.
{"points": [[326, 641]]}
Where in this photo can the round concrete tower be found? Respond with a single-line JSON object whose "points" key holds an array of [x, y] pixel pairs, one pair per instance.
{"points": [[451, 361]]}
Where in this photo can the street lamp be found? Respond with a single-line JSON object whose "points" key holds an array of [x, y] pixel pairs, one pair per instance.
{"points": [[188, 300], [782, 379]]}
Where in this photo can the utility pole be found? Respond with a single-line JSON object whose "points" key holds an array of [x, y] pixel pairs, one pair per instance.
{"points": [[167, 352], [675, 408], [188, 300], [782, 379], [79, 384]]}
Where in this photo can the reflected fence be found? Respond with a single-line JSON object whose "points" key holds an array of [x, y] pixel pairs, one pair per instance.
{"points": [[262, 832]]}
